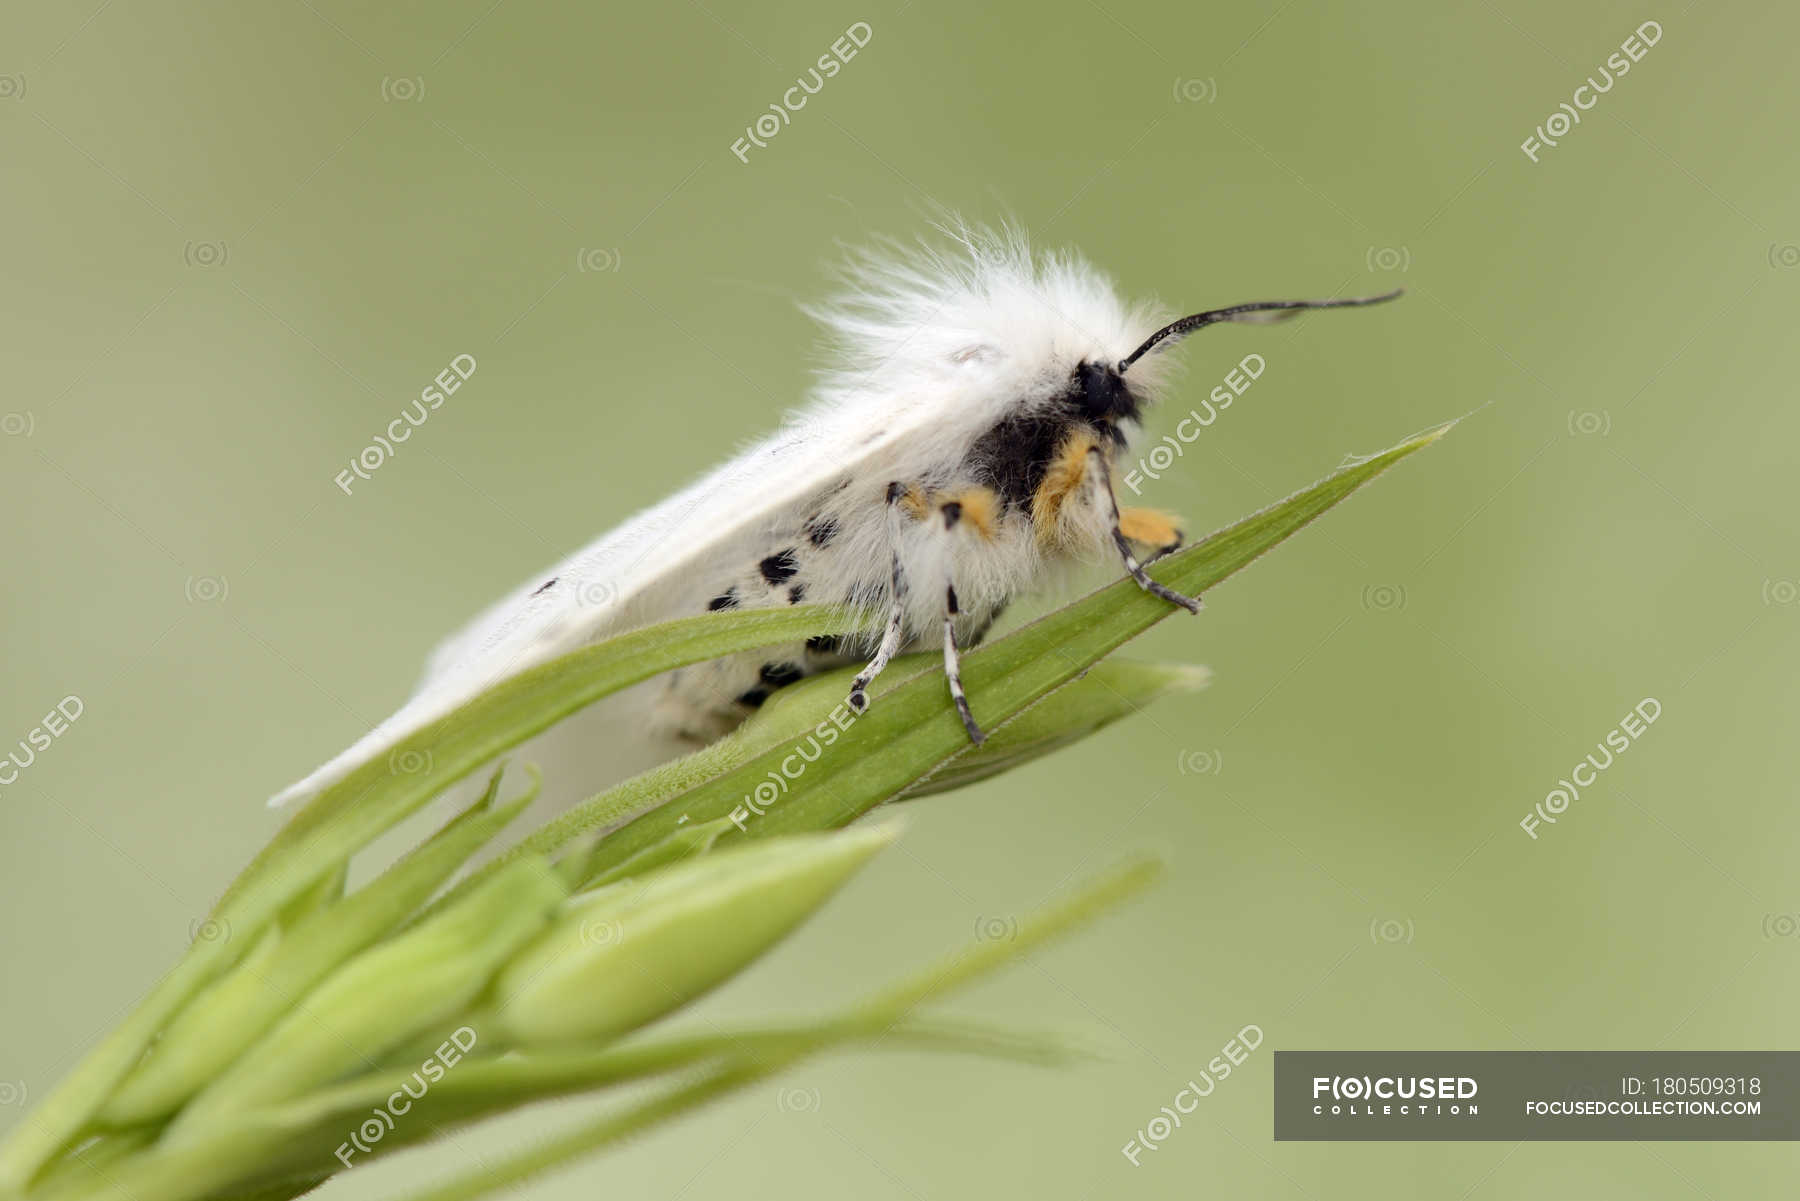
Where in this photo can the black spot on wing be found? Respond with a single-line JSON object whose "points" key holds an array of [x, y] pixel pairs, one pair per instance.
{"points": [[779, 567], [821, 529], [754, 698], [727, 599], [780, 675], [546, 586], [825, 644], [796, 594]]}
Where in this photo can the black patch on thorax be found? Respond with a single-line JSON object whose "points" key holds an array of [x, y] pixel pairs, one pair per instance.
{"points": [[1013, 457]]}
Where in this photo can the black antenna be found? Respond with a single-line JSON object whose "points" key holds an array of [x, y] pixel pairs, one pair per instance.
{"points": [[1285, 309]]}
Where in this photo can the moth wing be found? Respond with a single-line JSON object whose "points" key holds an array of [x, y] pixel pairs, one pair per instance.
{"points": [[637, 574]]}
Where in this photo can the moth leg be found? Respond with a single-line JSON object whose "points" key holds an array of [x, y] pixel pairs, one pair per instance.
{"points": [[1066, 473], [1162, 552], [1152, 528], [953, 513], [898, 497], [1103, 476]]}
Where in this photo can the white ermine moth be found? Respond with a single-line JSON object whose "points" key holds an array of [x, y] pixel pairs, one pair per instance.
{"points": [[958, 451]]}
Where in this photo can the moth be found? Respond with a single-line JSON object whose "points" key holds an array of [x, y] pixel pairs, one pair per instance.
{"points": [[958, 451]]}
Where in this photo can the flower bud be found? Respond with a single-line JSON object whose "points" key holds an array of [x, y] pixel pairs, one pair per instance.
{"points": [[628, 953]]}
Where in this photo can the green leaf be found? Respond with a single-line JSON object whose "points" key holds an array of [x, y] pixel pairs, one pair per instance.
{"points": [[1108, 691], [84, 1169], [321, 896], [913, 730], [685, 843]]}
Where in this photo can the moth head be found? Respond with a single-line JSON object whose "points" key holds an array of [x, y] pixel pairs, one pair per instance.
{"points": [[1099, 393]]}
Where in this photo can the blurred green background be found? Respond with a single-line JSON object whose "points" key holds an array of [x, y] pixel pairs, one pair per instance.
{"points": [[239, 238]]}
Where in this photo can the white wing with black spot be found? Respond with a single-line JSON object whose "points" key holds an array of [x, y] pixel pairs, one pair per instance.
{"points": [[651, 568]]}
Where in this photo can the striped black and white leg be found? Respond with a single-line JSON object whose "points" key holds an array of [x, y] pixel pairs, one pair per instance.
{"points": [[894, 634], [1103, 478], [953, 668], [952, 653]]}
